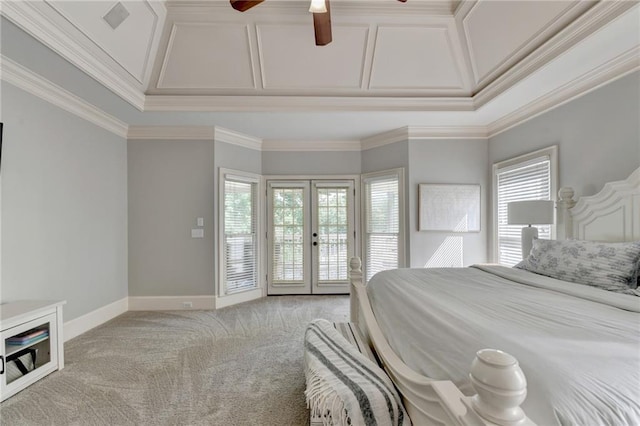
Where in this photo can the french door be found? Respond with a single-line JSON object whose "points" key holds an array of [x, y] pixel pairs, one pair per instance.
{"points": [[310, 236]]}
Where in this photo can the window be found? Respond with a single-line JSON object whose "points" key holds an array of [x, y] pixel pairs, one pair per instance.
{"points": [[239, 225], [528, 177], [383, 209]]}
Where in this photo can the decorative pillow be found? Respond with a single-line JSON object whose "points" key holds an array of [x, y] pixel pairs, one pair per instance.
{"points": [[610, 266]]}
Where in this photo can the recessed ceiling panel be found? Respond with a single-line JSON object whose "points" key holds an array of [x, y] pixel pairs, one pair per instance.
{"points": [[499, 33], [290, 58], [411, 57], [129, 43], [207, 56]]}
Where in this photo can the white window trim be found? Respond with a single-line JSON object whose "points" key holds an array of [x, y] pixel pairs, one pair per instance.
{"points": [[552, 153], [399, 172], [222, 299]]}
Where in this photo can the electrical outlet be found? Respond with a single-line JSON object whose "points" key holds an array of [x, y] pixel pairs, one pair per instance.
{"points": [[187, 305]]}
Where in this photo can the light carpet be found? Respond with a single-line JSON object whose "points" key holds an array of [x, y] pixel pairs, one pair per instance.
{"points": [[240, 365]]}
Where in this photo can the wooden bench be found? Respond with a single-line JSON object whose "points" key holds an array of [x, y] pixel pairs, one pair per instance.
{"points": [[352, 334]]}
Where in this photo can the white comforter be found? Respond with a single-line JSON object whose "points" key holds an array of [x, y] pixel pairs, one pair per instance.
{"points": [[578, 346]]}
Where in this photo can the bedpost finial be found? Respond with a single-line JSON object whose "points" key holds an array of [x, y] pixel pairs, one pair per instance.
{"points": [[500, 385], [355, 263], [566, 193]]}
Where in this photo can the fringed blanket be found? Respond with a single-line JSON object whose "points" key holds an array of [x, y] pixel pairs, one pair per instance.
{"points": [[343, 386]]}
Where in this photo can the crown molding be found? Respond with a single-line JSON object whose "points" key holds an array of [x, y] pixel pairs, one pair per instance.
{"points": [[219, 134], [183, 103], [40, 20], [447, 132], [315, 146], [588, 23], [409, 133], [171, 132], [37, 85], [19, 76], [386, 138], [616, 68], [237, 138]]}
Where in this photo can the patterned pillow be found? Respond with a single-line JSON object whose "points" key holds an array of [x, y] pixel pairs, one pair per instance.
{"points": [[610, 266]]}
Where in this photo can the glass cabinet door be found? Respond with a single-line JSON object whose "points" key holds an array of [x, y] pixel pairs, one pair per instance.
{"points": [[27, 354]]}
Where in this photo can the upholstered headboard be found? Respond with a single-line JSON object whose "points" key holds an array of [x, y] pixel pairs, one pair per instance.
{"points": [[613, 214]]}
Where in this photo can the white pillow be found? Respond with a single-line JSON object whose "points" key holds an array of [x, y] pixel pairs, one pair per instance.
{"points": [[610, 266]]}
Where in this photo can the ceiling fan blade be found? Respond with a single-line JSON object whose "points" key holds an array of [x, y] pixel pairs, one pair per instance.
{"points": [[243, 5], [322, 26]]}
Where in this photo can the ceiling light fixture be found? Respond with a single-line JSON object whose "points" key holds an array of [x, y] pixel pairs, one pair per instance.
{"points": [[322, 25], [244, 5], [318, 6], [321, 16]]}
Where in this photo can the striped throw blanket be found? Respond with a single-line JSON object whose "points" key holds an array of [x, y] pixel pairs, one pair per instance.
{"points": [[343, 386]]}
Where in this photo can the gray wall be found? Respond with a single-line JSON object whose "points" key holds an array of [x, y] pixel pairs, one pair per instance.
{"points": [[598, 136], [311, 163], [64, 207], [238, 158], [392, 156], [447, 161], [171, 183]]}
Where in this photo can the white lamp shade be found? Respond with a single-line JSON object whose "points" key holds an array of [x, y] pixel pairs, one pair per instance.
{"points": [[318, 6], [532, 212]]}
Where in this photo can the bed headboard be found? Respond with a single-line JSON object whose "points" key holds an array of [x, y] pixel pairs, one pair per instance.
{"points": [[613, 214]]}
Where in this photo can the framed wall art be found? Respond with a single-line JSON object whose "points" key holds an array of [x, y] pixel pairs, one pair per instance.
{"points": [[449, 208]]}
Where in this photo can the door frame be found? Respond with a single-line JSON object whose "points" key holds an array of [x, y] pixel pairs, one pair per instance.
{"points": [[264, 244]]}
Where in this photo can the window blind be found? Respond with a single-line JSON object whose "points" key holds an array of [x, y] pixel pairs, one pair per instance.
{"points": [[382, 227], [530, 180], [240, 239]]}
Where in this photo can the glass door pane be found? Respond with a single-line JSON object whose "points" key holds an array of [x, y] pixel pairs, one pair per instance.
{"points": [[333, 236], [288, 238]]}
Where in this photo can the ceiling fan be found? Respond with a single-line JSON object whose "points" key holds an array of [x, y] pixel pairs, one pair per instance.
{"points": [[321, 16]]}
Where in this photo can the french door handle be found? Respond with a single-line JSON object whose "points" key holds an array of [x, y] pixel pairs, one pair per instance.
{"points": [[315, 234], [315, 243], [2, 359]]}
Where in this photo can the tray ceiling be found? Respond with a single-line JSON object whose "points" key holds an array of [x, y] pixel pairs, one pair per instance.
{"points": [[389, 49], [457, 64], [381, 48]]}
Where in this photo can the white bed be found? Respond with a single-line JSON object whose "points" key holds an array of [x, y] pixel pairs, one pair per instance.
{"points": [[574, 342]]}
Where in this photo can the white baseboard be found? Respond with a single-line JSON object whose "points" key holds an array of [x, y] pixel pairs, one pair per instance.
{"points": [[234, 299], [86, 322], [170, 303]]}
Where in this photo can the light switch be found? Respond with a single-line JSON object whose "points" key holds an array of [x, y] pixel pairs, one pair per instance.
{"points": [[200, 221], [197, 233]]}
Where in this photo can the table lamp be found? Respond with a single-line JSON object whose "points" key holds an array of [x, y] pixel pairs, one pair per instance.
{"points": [[537, 212]]}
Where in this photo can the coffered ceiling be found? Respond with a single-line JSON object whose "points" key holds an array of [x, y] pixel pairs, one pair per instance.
{"points": [[386, 49], [452, 57]]}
